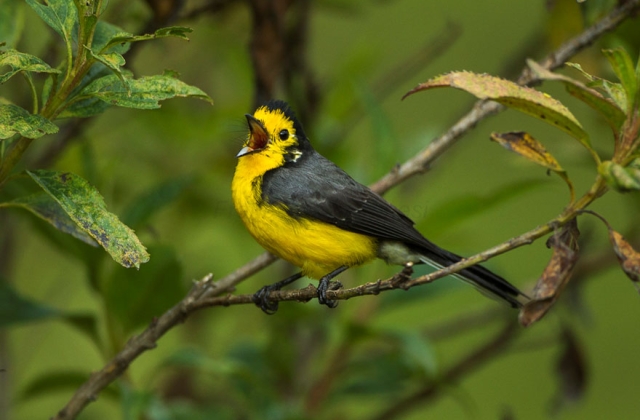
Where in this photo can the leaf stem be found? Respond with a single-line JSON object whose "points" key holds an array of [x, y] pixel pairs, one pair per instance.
{"points": [[34, 93]]}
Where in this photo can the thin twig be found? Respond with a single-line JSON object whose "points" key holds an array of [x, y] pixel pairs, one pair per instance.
{"points": [[200, 295]]}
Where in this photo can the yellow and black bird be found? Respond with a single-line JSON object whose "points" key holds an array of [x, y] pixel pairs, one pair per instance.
{"points": [[304, 209]]}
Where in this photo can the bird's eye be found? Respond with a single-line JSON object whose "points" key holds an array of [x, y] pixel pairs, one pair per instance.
{"points": [[284, 134]]}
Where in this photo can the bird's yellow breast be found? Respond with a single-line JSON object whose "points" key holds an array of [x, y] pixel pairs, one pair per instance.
{"points": [[316, 247]]}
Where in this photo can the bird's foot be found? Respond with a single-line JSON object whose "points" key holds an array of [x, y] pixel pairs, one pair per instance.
{"points": [[323, 287], [403, 276], [262, 301], [261, 297]]}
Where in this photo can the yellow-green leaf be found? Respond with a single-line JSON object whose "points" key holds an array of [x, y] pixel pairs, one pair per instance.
{"points": [[86, 207], [114, 61], [512, 95], [612, 113], [19, 61], [143, 93], [170, 31], [14, 119], [623, 67]]}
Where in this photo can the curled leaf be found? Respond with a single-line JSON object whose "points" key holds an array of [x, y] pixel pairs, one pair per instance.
{"points": [[629, 258], [170, 31], [528, 147], [512, 95], [19, 61], [621, 178], [556, 274], [623, 67]]}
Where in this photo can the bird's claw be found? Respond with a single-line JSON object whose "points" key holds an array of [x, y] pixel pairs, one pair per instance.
{"points": [[323, 287], [403, 276], [262, 301]]}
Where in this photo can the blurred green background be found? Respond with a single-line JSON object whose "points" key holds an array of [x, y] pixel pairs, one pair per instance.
{"points": [[308, 361]]}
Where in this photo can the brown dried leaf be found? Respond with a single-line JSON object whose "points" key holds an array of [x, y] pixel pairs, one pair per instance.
{"points": [[526, 146], [556, 274], [629, 258]]}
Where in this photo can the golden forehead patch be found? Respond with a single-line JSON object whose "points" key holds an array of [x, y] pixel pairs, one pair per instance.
{"points": [[274, 120]]}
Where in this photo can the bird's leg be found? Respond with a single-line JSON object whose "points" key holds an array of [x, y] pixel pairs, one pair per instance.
{"points": [[403, 276], [325, 285], [261, 297]]}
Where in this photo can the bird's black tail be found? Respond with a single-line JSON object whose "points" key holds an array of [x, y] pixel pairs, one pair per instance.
{"points": [[486, 281]]}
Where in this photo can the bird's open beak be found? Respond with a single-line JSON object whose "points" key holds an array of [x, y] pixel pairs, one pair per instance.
{"points": [[258, 137]]}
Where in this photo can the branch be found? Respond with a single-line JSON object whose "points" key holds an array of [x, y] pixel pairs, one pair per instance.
{"points": [[201, 294], [376, 287], [137, 345], [482, 109]]}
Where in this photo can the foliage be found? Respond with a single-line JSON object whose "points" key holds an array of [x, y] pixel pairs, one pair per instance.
{"points": [[93, 81], [618, 103], [165, 175]]}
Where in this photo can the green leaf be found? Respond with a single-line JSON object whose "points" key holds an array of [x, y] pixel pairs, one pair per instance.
{"points": [[141, 209], [11, 21], [22, 62], [14, 119], [84, 108], [126, 38], [84, 204], [621, 178], [134, 298], [113, 61], [48, 383], [612, 113], [15, 309], [143, 93], [623, 67], [524, 99], [48, 209], [104, 33], [60, 15]]}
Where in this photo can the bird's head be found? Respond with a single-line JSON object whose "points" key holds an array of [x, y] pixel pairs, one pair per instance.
{"points": [[275, 137]]}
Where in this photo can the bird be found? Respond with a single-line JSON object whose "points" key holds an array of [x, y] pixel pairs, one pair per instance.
{"points": [[303, 208]]}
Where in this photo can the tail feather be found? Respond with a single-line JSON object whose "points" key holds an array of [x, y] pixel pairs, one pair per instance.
{"points": [[484, 280]]}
